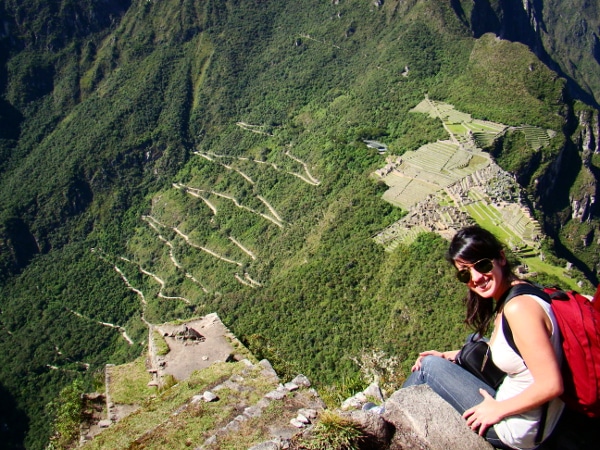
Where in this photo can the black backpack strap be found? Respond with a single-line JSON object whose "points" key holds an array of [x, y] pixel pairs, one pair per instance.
{"points": [[515, 291]]}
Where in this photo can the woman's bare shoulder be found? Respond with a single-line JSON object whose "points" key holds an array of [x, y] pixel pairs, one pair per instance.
{"points": [[523, 304]]}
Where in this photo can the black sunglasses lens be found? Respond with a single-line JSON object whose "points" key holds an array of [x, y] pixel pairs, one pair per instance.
{"points": [[464, 276], [484, 266]]}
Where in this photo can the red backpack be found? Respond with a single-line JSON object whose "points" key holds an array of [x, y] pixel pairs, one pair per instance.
{"points": [[578, 319]]}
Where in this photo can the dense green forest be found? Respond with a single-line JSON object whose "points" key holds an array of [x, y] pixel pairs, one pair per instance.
{"points": [[209, 154]]}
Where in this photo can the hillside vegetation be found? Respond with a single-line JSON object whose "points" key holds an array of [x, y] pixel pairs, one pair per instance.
{"points": [[167, 159]]}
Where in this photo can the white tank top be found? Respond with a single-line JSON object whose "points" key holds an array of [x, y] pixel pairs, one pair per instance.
{"points": [[519, 431]]}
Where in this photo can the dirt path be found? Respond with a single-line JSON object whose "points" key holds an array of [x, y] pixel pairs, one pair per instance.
{"points": [[247, 280], [104, 324], [242, 248], [311, 180], [152, 222], [253, 128], [187, 239], [270, 208], [197, 193]]}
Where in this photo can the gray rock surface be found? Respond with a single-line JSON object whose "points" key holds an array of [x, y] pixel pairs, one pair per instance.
{"points": [[424, 420]]}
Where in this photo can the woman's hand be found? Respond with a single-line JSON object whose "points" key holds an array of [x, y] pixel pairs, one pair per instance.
{"points": [[482, 416], [449, 355]]}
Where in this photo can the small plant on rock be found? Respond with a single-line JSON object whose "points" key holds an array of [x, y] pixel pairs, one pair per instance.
{"points": [[333, 432]]}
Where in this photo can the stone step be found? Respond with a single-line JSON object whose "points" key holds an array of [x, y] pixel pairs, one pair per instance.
{"points": [[275, 416]]}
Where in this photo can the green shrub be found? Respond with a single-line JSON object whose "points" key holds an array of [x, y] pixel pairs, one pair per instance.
{"points": [[67, 411], [334, 432]]}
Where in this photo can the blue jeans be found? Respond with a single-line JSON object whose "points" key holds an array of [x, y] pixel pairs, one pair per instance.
{"points": [[456, 386]]}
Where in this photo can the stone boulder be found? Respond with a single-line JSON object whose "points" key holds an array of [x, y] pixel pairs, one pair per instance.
{"points": [[423, 420]]}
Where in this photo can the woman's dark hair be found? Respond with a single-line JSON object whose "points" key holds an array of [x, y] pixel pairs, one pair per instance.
{"points": [[470, 245]]}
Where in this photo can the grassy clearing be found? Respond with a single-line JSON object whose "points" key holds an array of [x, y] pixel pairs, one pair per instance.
{"points": [[128, 382], [456, 128], [490, 218], [162, 348], [535, 264]]}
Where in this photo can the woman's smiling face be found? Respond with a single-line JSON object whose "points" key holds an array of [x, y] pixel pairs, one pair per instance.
{"points": [[486, 284]]}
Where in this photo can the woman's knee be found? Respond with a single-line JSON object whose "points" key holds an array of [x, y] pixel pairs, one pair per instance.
{"points": [[434, 369], [433, 364]]}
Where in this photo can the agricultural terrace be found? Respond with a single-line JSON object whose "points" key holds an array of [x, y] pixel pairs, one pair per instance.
{"points": [[448, 184], [536, 137]]}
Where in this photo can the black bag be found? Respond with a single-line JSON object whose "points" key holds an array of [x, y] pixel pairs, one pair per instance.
{"points": [[476, 358]]}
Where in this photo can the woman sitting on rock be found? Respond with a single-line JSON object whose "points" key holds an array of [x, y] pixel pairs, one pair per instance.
{"points": [[509, 417]]}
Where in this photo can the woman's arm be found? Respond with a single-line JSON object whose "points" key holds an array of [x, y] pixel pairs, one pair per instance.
{"points": [[450, 355], [531, 329]]}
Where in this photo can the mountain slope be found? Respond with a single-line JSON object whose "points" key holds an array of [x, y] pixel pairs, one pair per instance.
{"points": [[564, 35], [167, 159]]}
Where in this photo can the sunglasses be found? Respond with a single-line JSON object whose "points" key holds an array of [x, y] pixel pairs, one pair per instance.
{"points": [[482, 266]]}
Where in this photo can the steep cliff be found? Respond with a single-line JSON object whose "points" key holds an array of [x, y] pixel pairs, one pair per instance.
{"points": [[564, 35]]}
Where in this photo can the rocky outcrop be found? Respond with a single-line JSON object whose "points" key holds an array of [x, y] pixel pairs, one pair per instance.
{"points": [[549, 189], [422, 419], [581, 208], [412, 418], [587, 141]]}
